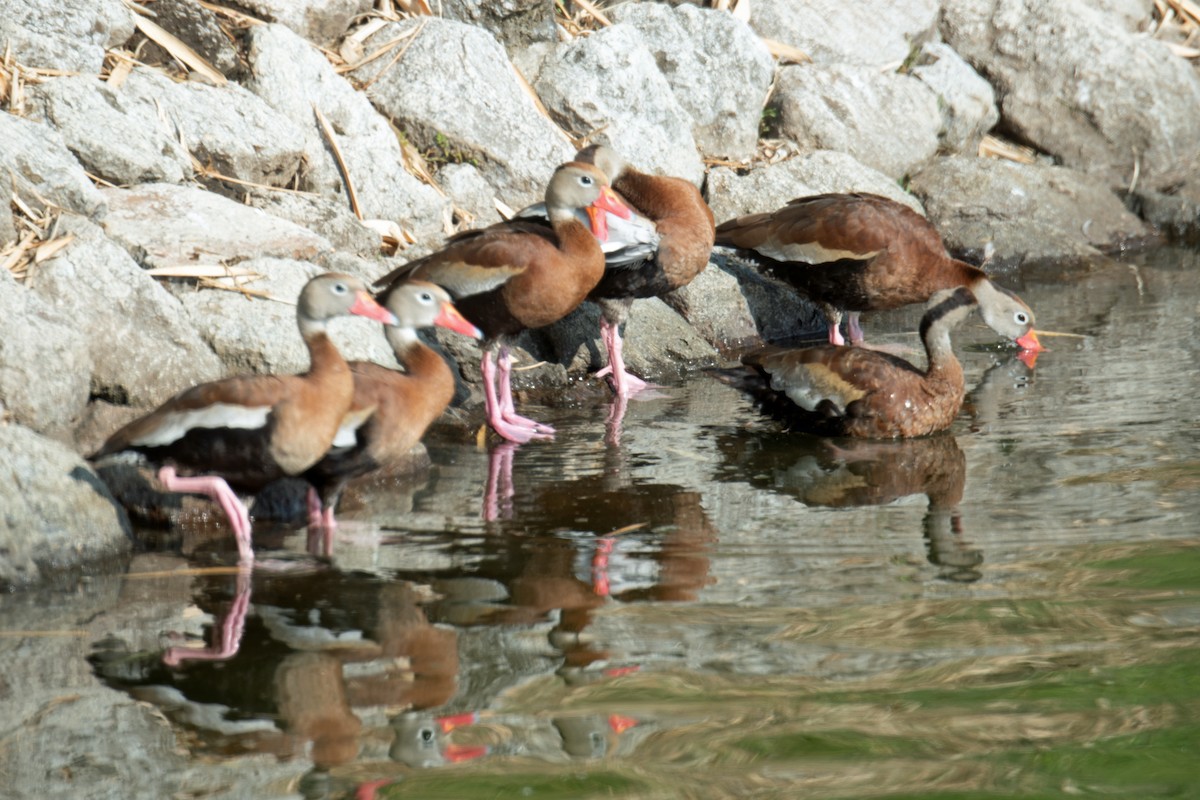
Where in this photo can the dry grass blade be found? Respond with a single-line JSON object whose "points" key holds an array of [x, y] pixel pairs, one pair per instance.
{"points": [[412, 37], [993, 147], [415, 7], [47, 250], [786, 52], [178, 49], [595, 12], [541, 107], [1183, 51], [120, 71], [212, 174], [1186, 8], [391, 235], [240, 17], [202, 272], [344, 170]]}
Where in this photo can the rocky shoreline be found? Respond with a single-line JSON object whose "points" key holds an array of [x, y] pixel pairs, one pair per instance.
{"points": [[171, 193]]}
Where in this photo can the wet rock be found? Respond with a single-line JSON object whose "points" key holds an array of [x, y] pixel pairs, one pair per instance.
{"points": [[116, 132], [163, 225], [253, 335], [57, 514], [1085, 90], [456, 96], [44, 362], [885, 120], [854, 32], [197, 27], [1175, 212], [319, 21], [43, 167], [108, 298], [293, 77], [766, 188], [1022, 212], [70, 35], [516, 23], [609, 84], [719, 71], [966, 100]]}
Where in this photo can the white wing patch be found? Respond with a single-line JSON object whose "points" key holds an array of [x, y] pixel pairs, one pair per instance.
{"points": [[347, 432], [809, 253], [176, 425]]}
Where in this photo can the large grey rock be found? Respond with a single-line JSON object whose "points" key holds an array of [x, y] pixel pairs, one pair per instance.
{"points": [[197, 27], [847, 31], [470, 191], [325, 216], [966, 100], [719, 70], [768, 187], [610, 83], [320, 21], [44, 362], [516, 23], [455, 93], [142, 344], [70, 35], [885, 120], [1022, 212], [260, 335], [8, 226], [163, 225], [293, 77], [1083, 89], [57, 515], [1175, 213], [117, 133], [42, 166]]}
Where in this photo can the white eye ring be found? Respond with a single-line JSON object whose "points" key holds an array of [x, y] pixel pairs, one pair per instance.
{"points": [[340, 288], [586, 180], [425, 297], [1021, 317]]}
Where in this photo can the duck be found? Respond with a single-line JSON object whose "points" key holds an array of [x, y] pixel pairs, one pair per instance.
{"points": [[861, 252], [518, 275], [250, 430], [399, 406], [857, 392]]}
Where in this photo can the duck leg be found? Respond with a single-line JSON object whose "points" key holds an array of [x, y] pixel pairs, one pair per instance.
{"points": [[217, 489], [854, 328], [624, 382], [232, 627], [497, 392], [498, 491]]}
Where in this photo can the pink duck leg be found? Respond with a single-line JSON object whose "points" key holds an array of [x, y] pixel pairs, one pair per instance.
{"points": [[513, 433], [508, 407], [624, 382], [232, 628], [218, 490]]}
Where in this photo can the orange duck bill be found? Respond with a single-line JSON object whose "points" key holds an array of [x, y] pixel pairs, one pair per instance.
{"points": [[606, 203], [450, 317], [365, 306], [1030, 343]]}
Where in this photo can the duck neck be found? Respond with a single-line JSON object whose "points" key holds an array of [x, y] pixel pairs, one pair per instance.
{"points": [[946, 313], [324, 358]]}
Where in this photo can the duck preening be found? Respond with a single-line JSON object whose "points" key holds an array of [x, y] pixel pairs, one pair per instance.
{"points": [[835, 390], [391, 409], [250, 430], [517, 275], [861, 252]]}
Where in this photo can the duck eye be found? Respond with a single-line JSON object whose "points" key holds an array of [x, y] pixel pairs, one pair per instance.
{"points": [[425, 297], [586, 180], [340, 288], [1021, 317]]}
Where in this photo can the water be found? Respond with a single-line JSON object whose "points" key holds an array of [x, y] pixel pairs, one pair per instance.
{"points": [[698, 604]]}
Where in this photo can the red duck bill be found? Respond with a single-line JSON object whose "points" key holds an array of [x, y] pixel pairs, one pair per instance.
{"points": [[606, 203]]}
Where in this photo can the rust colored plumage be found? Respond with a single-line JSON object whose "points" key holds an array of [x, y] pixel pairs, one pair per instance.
{"points": [[517, 275], [853, 391], [251, 430], [862, 252]]}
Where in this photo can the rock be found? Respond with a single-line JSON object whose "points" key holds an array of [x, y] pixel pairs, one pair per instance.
{"points": [[516, 23], [885, 120], [44, 362], [324, 216], [718, 69], [163, 225], [57, 514], [658, 342], [319, 21], [293, 76], [609, 84], [43, 167], [1177, 213], [1025, 212], [766, 188], [966, 100], [109, 299], [8, 228], [197, 27], [1077, 86], [69, 35], [456, 95], [117, 133], [853, 32], [260, 336], [471, 193], [731, 313]]}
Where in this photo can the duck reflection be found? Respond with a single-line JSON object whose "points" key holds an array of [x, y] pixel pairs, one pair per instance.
{"points": [[841, 473]]}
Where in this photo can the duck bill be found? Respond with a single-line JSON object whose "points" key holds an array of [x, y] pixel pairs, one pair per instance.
{"points": [[1030, 342], [606, 203], [450, 317], [365, 306]]}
